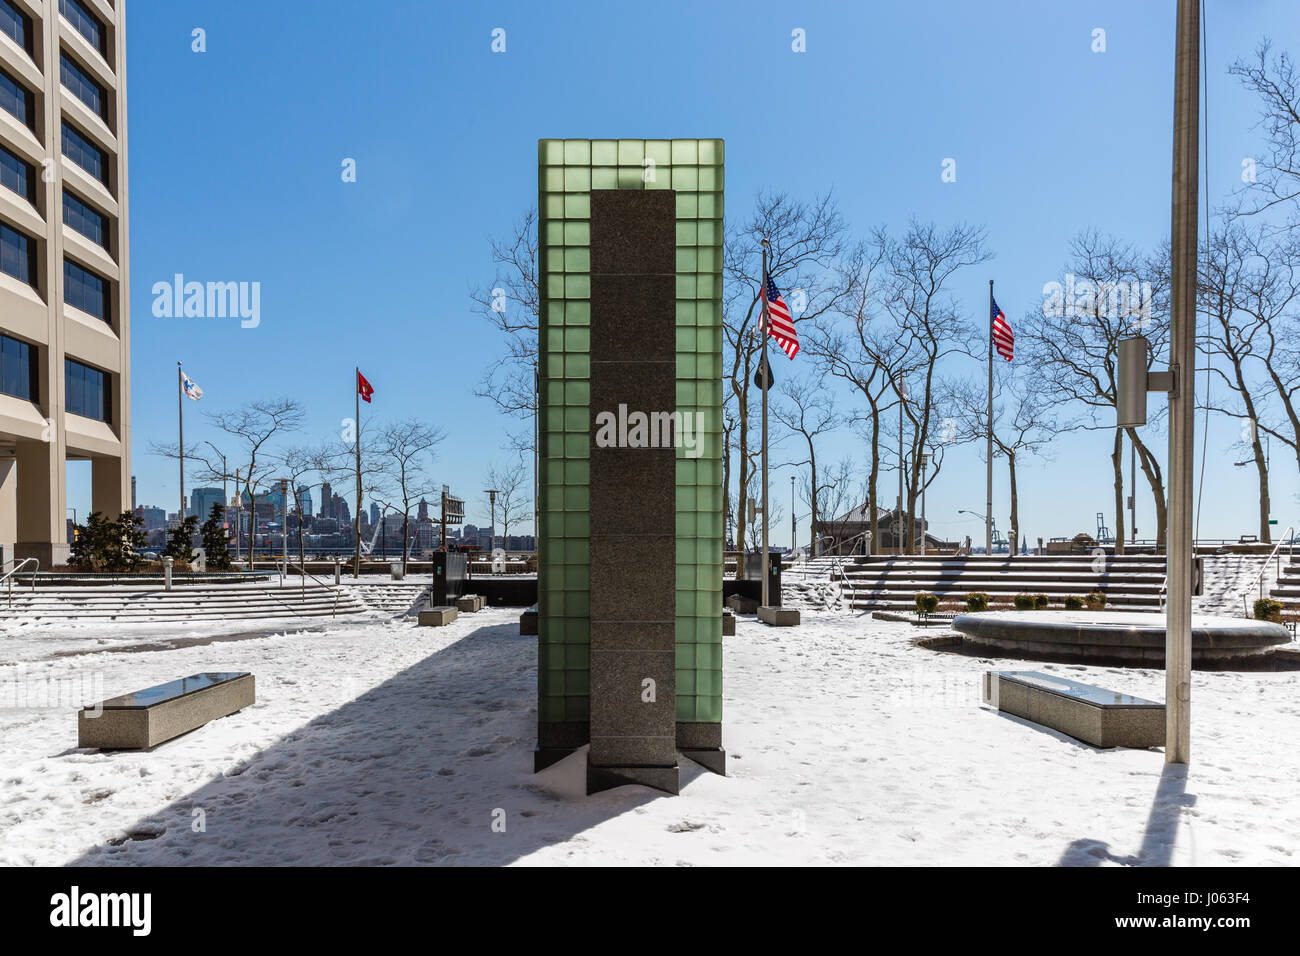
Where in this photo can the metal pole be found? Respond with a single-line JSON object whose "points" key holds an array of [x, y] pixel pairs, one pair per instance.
{"points": [[988, 498], [1182, 403], [767, 381], [1132, 496], [356, 518], [180, 428], [898, 503], [793, 525], [925, 467]]}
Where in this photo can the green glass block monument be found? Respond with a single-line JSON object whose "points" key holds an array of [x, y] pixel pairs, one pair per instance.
{"points": [[631, 510]]}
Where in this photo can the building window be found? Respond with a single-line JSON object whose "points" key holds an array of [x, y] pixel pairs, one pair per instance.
{"points": [[84, 290], [18, 175], [18, 100], [86, 391], [17, 254], [87, 24], [80, 84], [87, 220], [85, 153], [16, 24], [18, 370]]}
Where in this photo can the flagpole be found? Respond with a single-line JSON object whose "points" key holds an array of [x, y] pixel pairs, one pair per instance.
{"points": [[180, 428], [356, 518], [767, 381], [988, 503]]}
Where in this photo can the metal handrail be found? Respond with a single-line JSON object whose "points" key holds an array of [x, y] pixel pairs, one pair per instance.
{"points": [[839, 548], [9, 575], [302, 567], [1288, 538]]}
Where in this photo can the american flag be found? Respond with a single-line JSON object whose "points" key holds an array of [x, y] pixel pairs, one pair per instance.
{"points": [[1003, 340], [779, 324]]}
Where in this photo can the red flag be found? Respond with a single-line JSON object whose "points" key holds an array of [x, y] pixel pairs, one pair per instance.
{"points": [[364, 388]]}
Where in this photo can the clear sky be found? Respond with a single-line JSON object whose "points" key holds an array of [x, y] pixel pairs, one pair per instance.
{"points": [[236, 153]]}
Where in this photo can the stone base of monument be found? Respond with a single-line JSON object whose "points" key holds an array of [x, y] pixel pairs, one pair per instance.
{"points": [[469, 603], [779, 616], [1094, 715], [149, 717], [728, 624], [528, 622], [437, 616], [741, 604], [666, 779]]}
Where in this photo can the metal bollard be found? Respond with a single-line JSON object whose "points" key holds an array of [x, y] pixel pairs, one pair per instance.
{"points": [[168, 561], [338, 570]]}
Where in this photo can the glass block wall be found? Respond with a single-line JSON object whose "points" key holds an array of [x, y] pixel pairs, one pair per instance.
{"points": [[567, 171]]}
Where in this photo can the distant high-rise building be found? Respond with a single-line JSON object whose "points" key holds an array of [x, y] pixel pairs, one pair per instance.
{"points": [[304, 499], [202, 500], [155, 519], [423, 513], [326, 500], [374, 514], [341, 511]]}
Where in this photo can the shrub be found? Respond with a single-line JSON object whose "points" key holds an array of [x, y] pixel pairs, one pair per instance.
{"points": [[1073, 602], [1041, 601], [977, 601], [103, 544], [926, 603], [1268, 610], [1025, 602], [180, 541], [216, 540], [1096, 600]]}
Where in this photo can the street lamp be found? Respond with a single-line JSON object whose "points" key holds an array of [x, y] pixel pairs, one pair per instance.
{"points": [[492, 500]]}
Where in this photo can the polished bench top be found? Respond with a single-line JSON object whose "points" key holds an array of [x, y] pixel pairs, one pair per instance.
{"points": [[1089, 693], [171, 690]]}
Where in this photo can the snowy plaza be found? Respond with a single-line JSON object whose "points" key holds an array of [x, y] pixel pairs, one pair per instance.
{"points": [[379, 742]]}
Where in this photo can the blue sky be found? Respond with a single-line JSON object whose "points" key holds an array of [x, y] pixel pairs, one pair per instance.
{"points": [[235, 160]]}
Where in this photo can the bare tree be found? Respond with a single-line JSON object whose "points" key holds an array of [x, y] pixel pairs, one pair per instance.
{"points": [[808, 412], [917, 296], [1109, 291], [1273, 180], [296, 464], [514, 498], [405, 450], [1023, 424], [805, 241]]}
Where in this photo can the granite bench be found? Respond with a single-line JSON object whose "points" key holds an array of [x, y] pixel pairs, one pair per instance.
{"points": [[469, 603], [437, 616], [1094, 715], [149, 717], [528, 622]]}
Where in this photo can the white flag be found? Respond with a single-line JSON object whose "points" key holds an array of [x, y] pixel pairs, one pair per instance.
{"points": [[191, 389]]}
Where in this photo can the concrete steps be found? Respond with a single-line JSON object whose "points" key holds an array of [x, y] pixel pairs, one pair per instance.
{"points": [[185, 603], [886, 582]]}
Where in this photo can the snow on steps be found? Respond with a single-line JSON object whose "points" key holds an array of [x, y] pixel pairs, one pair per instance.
{"points": [[149, 603]]}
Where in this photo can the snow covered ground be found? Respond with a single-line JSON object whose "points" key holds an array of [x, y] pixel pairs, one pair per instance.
{"points": [[383, 743]]}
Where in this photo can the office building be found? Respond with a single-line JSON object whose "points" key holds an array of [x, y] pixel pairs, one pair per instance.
{"points": [[64, 321]]}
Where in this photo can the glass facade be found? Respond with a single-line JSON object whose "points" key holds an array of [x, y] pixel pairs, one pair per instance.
{"points": [[86, 391], [18, 175], [17, 100], [567, 172], [86, 23], [80, 84], [85, 153], [18, 370], [17, 254], [85, 219], [16, 25], [84, 290]]}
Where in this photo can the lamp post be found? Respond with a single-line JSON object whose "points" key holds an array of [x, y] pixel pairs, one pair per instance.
{"points": [[492, 533], [793, 526]]}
